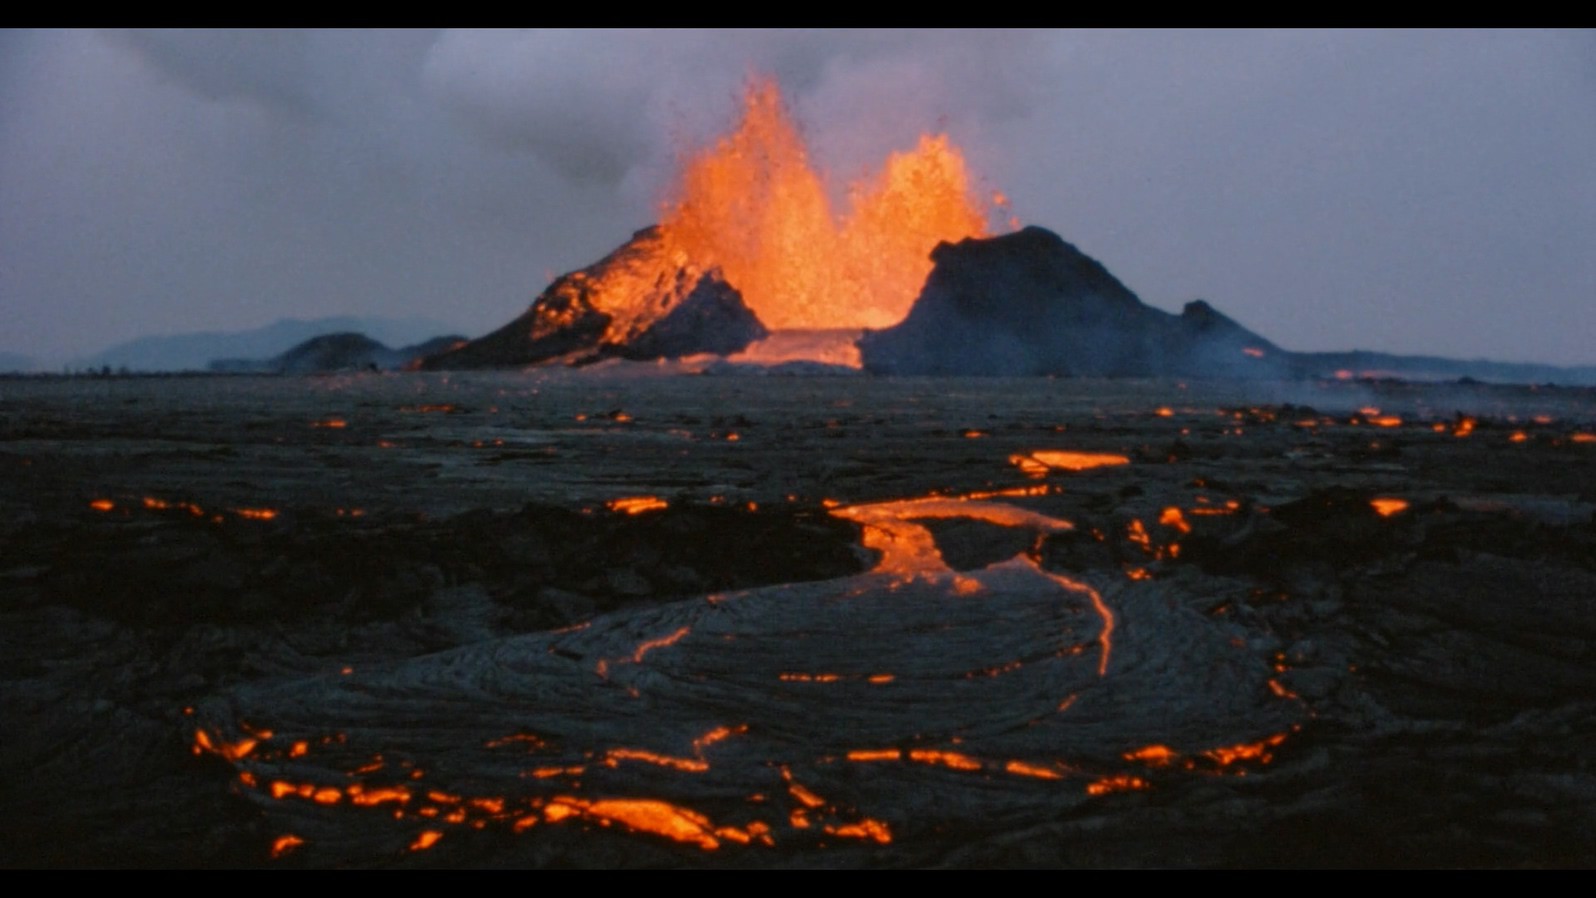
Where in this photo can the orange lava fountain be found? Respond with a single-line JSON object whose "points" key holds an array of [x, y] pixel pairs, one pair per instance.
{"points": [[754, 205]]}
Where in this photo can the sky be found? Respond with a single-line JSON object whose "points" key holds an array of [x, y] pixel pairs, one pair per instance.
{"points": [[1408, 191]]}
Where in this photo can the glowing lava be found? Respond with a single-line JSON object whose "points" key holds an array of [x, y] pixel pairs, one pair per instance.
{"points": [[1039, 463], [754, 205], [1387, 507]]}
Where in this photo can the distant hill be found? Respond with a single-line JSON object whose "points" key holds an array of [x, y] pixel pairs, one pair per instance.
{"points": [[1029, 303], [347, 351], [195, 351]]}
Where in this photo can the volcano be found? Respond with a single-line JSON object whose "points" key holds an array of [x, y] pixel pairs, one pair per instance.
{"points": [[646, 300], [749, 236], [753, 236]]}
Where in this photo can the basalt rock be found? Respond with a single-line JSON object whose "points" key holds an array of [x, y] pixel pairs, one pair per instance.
{"points": [[643, 301]]}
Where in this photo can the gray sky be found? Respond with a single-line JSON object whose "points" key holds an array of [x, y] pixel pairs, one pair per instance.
{"points": [[1423, 192]]}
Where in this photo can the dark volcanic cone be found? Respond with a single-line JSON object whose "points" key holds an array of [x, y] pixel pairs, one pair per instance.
{"points": [[1029, 303], [643, 301]]}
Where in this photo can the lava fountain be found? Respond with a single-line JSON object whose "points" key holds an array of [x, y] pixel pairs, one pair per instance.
{"points": [[755, 206]]}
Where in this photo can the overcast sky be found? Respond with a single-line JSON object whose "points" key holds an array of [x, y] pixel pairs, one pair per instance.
{"points": [[1422, 192]]}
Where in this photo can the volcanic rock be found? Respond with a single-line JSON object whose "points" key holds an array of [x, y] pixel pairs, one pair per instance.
{"points": [[642, 301], [1029, 303]]}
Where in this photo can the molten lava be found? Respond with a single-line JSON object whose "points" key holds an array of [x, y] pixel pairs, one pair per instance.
{"points": [[754, 205]]}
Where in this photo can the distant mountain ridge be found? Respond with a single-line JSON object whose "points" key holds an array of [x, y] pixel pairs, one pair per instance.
{"points": [[348, 351], [195, 351]]}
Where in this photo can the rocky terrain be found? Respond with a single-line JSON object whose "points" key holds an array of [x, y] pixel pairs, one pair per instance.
{"points": [[628, 617]]}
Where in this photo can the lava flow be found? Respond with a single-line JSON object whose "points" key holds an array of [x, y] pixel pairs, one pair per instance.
{"points": [[754, 205]]}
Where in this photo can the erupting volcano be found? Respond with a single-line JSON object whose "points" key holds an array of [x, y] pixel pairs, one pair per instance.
{"points": [[900, 276], [754, 205], [749, 239]]}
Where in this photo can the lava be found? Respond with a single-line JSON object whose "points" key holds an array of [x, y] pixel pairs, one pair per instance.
{"points": [[1387, 507], [754, 205], [1039, 463], [285, 843], [637, 504], [1117, 783]]}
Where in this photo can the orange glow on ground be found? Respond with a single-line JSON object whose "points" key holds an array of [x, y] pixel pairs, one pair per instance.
{"points": [[1037, 464], [155, 504], [1156, 755], [951, 759], [256, 514], [285, 843], [232, 751], [1020, 768], [908, 549], [543, 773], [716, 735], [691, 765], [637, 504], [1389, 507], [810, 678], [1136, 533], [805, 797], [865, 829], [875, 754], [1173, 518], [425, 840], [371, 797], [652, 644], [102, 505], [755, 206], [1105, 637], [1250, 751], [1120, 783]]}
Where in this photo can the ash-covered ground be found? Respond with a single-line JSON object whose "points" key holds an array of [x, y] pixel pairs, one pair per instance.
{"points": [[635, 617]]}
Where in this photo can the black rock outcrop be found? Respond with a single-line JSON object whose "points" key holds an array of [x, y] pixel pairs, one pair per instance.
{"points": [[1029, 303], [643, 301]]}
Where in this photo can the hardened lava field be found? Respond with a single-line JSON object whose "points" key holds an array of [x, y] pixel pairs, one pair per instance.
{"points": [[635, 617]]}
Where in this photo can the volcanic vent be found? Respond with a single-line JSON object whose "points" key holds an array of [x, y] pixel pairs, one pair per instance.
{"points": [[750, 238], [646, 300]]}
